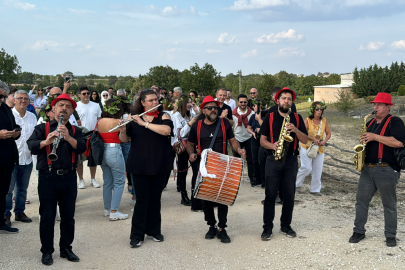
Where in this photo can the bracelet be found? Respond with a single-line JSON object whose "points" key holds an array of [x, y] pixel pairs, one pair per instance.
{"points": [[188, 124], [147, 124]]}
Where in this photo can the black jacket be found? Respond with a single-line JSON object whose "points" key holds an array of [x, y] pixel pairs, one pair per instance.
{"points": [[10, 114]]}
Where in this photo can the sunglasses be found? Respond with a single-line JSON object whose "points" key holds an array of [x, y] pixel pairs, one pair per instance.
{"points": [[105, 95], [242, 102], [210, 108], [86, 94], [253, 93], [41, 90], [317, 109], [55, 95], [2, 96]]}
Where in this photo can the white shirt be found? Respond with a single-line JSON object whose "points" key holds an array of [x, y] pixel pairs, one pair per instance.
{"points": [[180, 122], [88, 114], [231, 103], [240, 132], [27, 124], [38, 102]]}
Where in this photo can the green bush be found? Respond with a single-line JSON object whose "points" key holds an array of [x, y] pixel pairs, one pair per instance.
{"points": [[368, 99], [305, 98], [345, 102], [394, 94], [401, 90]]}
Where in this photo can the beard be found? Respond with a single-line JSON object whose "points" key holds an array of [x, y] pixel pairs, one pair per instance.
{"points": [[212, 117], [283, 109]]}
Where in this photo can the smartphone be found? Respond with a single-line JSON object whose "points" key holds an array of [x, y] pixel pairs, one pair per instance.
{"points": [[67, 78], [17, 129]]}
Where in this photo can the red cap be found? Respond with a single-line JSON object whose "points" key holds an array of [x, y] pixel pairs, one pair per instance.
{"points": [[65, 97], [383, 98], [286, 89], [208, 99]]}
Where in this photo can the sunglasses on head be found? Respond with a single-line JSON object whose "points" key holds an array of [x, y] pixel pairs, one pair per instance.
{"points": [[85, 93], [319, 109], [210, 108]]}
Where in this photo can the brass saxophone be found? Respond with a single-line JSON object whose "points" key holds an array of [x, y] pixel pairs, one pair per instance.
{"points": [[360, 149], [284, 137]]}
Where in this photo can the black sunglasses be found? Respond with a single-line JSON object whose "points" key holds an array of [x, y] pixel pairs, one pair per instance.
{"points": [[56, 95], [86, 94], [40, 90], [105, 95], [242, 102], [319, 109], [252, 92], [210, 108], [2, 96]]}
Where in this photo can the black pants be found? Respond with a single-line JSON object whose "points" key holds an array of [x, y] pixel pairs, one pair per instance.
{"points": [[196, 204], [209, 214], [275, 173], [54, 190], [255, 146], [167, 176], [146, 218], [251, 169], [6, 170], [182, 169], [262, 162]]}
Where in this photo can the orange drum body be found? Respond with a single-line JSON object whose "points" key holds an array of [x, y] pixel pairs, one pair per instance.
{"points": [[224, 187]]}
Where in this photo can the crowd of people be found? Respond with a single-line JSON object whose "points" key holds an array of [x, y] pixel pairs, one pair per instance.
{"points": [[171, 130]]}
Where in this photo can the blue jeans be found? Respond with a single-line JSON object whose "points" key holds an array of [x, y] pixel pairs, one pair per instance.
{"points": [[113, 167], [21, 178], [125, 151]]}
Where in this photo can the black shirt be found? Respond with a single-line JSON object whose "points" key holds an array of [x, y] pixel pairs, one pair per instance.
{"points": [[8, 145], [64, 150], [150, 151], [395, 129], [277, 123], [206, 134]]}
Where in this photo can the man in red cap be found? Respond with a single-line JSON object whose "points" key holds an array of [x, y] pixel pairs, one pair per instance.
{"points": [[285, 169], [57, 181], [204, 136], [381, 171]]}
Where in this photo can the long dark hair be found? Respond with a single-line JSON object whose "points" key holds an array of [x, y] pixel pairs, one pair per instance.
{"points": [[138, 107], [312, 109], [97, 100], [182, 107]]}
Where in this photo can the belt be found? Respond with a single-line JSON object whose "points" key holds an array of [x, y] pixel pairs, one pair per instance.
{"points": [[57, 172], [112, 144], [372, 165]]}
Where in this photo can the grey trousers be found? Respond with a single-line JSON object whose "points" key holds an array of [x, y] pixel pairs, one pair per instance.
{"points": [[385, 180]]}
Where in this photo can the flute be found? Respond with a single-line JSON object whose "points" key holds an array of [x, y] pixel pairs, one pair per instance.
{"points": [[132, 119]]}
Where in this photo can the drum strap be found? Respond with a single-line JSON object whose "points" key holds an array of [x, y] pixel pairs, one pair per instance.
{"points": [[220, 123]]}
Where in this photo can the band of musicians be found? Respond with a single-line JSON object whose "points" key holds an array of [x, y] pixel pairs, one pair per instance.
{"points": [[222, 145]]}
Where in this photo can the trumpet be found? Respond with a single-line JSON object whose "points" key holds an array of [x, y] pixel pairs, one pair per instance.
{"points": [[53, 156], [131, 119]]}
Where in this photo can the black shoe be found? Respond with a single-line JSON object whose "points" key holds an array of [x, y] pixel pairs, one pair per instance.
{"points": [[8, 230], [184, 199], [288, 231], [8, 221], [266, 234], [391, 241], [178, 189], [212, 232], [68, 254], [135, 243], [263, 202], [23, 218], [47, 259], [356, 237], [157, 238], [223, 236]]}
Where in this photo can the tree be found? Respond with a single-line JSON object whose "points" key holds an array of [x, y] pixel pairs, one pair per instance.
{"points": [[90, 82], [9, 68], [201, 79], [334, 78], [61, 81], [267, 83], [112, 80], [401, 90], [345, 102], [162, 76], [285, 79], [26, 77], [81, 81]]}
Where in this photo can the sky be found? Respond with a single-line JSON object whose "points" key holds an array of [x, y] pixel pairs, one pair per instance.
{"points": [[255, 36]]}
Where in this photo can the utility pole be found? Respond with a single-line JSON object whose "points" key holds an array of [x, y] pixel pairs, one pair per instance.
{"points": [[240, 80]]}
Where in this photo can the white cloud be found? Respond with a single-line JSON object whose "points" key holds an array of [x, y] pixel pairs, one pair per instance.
{"points": [[257, 4], [56, 46], [19, 5], [372, 46], [399, 45], [249, 54], [364, 2], [290, 35], [44, 44], [224, 38], [212, 51], [175, 43], [290, 52], [81, 11]]}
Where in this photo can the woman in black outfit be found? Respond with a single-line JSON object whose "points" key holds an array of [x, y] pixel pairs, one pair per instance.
{"points": [[95, 97], [148, 161]]}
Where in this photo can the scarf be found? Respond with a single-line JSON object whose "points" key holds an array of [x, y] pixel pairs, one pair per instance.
{"points": [[155, 113], [102, 98], [242, 118]]}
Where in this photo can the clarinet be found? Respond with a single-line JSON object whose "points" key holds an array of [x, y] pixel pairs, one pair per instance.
{"points": [[53, 156]]}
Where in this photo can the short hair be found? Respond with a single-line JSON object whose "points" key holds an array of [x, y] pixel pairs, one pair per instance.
{"points": [[242, 96], [121, 92], [13, 89], [20, 92], [171, 91], [110, 88], [274, 90], [194, 92], [227, 90], [220, 89], [82, 88], [178, 90], [4, 86]]}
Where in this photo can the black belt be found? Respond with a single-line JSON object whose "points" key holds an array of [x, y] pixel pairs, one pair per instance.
{"points": [[57, 172], [372, 165]]}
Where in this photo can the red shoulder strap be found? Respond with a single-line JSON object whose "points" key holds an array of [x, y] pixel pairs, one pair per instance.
{"points": [[73, 153], [198, 136], [48, 147], [224, 136], [297, 119], [271, 127], [380, 145], [372, 121]]}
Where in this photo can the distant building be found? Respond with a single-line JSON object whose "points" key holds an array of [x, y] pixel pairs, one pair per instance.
{"points": [[329, 93]]}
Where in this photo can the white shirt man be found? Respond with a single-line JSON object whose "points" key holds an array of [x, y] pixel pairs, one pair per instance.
{"points": [[229, 101], [27, 122]]}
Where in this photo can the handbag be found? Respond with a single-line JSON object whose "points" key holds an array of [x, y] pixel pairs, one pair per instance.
{"points": [[312, 150], [180, 146], [97, 147]]}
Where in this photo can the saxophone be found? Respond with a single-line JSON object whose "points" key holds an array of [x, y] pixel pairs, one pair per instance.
{"points": [[284, 137], [360, 149]]}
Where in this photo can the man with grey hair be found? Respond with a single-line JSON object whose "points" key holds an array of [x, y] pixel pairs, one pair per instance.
{"points": [[8, 154], [177, 91], [121, 93], [22, 171]]}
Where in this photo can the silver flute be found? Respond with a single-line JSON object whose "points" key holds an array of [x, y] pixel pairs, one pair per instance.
{"points": [[132, 119]]}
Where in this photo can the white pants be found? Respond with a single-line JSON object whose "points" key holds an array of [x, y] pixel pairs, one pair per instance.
{"points": [[309, 165]]}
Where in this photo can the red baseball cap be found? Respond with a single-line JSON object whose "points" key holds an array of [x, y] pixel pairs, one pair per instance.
{"points": [[383, 98], [208, 99], [65, 97], [286, 89]]}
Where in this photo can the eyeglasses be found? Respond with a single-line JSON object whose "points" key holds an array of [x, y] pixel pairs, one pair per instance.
{"points": [[210, 108], [22, 99], [242, 102], [85, 94], [317, 109]]}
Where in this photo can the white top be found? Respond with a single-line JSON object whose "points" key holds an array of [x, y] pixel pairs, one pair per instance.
{"points": [[72, 121], [179, 122], [194, 113], [38, 102], [27, 124], [240, 132], [88, 114], [231, 103]]}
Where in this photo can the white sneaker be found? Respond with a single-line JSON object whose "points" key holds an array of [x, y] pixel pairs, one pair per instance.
{"points": [[132, 210], [81, 184], [132, 202], [117, 216], [106, 213], [94, 183]]}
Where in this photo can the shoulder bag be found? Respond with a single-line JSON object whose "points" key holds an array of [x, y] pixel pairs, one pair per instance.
{"points": [[312, 150]]}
